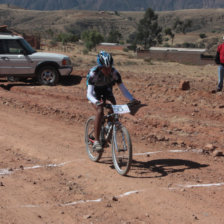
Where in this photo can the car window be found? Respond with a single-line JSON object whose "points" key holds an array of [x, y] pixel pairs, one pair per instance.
{"points": [[13, 47], [27, 46], [2, 47]]}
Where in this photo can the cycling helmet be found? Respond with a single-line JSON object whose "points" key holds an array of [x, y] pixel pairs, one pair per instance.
{"points": [[104, 59]]}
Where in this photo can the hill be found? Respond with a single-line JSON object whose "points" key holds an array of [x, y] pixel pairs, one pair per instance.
{"points": [[50, 23], [124, 5]]}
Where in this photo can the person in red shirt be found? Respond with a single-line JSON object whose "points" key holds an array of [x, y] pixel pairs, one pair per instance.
{"points": [[220, 61]]}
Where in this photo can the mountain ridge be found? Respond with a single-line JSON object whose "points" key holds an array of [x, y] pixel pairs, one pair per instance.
{"points": [[115, 5]]}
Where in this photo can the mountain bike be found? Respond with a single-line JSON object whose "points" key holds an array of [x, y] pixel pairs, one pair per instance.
{"points": [[114, 133]]}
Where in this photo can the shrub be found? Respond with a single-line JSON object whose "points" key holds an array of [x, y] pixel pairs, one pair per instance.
{"points": [[148, 60], [91, 38], [166, 45], [202, 35], [189, 45], [85, 51], [67, 37]]}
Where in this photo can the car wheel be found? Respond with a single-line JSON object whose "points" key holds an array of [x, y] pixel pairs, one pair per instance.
{"points": [[48, 75]]}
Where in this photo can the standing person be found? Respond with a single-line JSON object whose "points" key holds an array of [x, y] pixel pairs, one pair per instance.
{"points": [[100, 81], [220, 61]]}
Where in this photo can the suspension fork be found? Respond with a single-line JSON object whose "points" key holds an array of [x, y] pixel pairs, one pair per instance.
{"points": [[118, 125]]}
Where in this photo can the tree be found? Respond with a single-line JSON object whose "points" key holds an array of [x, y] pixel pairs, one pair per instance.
{"points": [[132, 40], [91, 38], [169, 32], [114, 36], [149, 32], [182, 26]]}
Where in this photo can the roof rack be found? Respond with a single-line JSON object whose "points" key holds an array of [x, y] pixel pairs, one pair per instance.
{"points": [[6, 31]]}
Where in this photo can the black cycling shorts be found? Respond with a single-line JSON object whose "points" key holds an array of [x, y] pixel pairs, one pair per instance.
{"points": [[104, 93]]}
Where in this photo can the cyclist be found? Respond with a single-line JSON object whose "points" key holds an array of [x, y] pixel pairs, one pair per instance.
{"points": [[100, 81]]}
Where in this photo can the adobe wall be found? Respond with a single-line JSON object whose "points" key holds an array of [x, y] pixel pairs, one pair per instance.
{"points": [[194, 58]]}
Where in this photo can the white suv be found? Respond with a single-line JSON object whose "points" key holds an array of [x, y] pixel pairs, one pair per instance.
{"points": [[19, 60]]}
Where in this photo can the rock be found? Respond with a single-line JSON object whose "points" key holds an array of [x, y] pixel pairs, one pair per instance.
{"points": [[108, 205], [87, 216], [209, 147], [184, 85], [147, 215], [114, 198], [217, 153], [21, 167]]}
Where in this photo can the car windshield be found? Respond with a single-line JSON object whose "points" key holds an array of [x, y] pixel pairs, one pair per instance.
{"points": [[27, 46]]}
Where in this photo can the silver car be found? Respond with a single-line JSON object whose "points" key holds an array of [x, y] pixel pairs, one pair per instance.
{"points": [[19, 60]]}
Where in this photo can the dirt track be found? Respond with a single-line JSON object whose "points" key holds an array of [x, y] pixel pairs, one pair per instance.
{"points": [[46, 176]]}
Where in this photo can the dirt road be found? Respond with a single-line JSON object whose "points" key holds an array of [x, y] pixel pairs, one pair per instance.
{"points": [[176, 176]]}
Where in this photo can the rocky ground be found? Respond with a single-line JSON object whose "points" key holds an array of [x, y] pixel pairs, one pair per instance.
{"points": [[177, 174]]}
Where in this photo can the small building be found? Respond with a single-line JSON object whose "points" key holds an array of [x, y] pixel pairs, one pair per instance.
{"points": [[193, 56], [110, 46]]}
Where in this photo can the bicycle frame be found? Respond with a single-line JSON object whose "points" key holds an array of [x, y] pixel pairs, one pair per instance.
{"points": [[115, 121]]}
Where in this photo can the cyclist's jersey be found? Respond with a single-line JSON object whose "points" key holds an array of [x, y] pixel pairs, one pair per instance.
{"points": [[96, 78], [100, 87]]}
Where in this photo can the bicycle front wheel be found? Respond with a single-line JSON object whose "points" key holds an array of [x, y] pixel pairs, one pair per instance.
{"points": [[121, 150], [89, 139]]}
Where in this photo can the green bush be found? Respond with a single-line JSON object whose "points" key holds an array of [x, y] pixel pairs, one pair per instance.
{"points": [[166, 45], [66, 37], [91, 38], [202, 35], [187, 45]]}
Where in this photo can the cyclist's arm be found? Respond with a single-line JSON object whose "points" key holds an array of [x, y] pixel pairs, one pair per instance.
{"points": [[90, 95], [125, 92]]}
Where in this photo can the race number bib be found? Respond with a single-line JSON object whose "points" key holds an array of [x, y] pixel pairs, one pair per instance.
{"points": [[121, 109]]}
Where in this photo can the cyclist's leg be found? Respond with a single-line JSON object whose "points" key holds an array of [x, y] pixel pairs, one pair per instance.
{"points": [[112, 99], [98, 119]]}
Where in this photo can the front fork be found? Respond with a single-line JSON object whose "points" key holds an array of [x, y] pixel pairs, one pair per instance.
{"points": [[116, 127]]}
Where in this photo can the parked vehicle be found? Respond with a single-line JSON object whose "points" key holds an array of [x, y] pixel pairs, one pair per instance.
{"points": [[18, 60]]}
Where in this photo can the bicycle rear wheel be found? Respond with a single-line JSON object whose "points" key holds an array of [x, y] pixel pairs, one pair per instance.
{"points": [[89, 139], [121, 150]]}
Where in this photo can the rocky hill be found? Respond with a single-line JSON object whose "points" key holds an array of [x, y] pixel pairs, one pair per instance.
{"points": [[50, 23], [115, 5]]}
